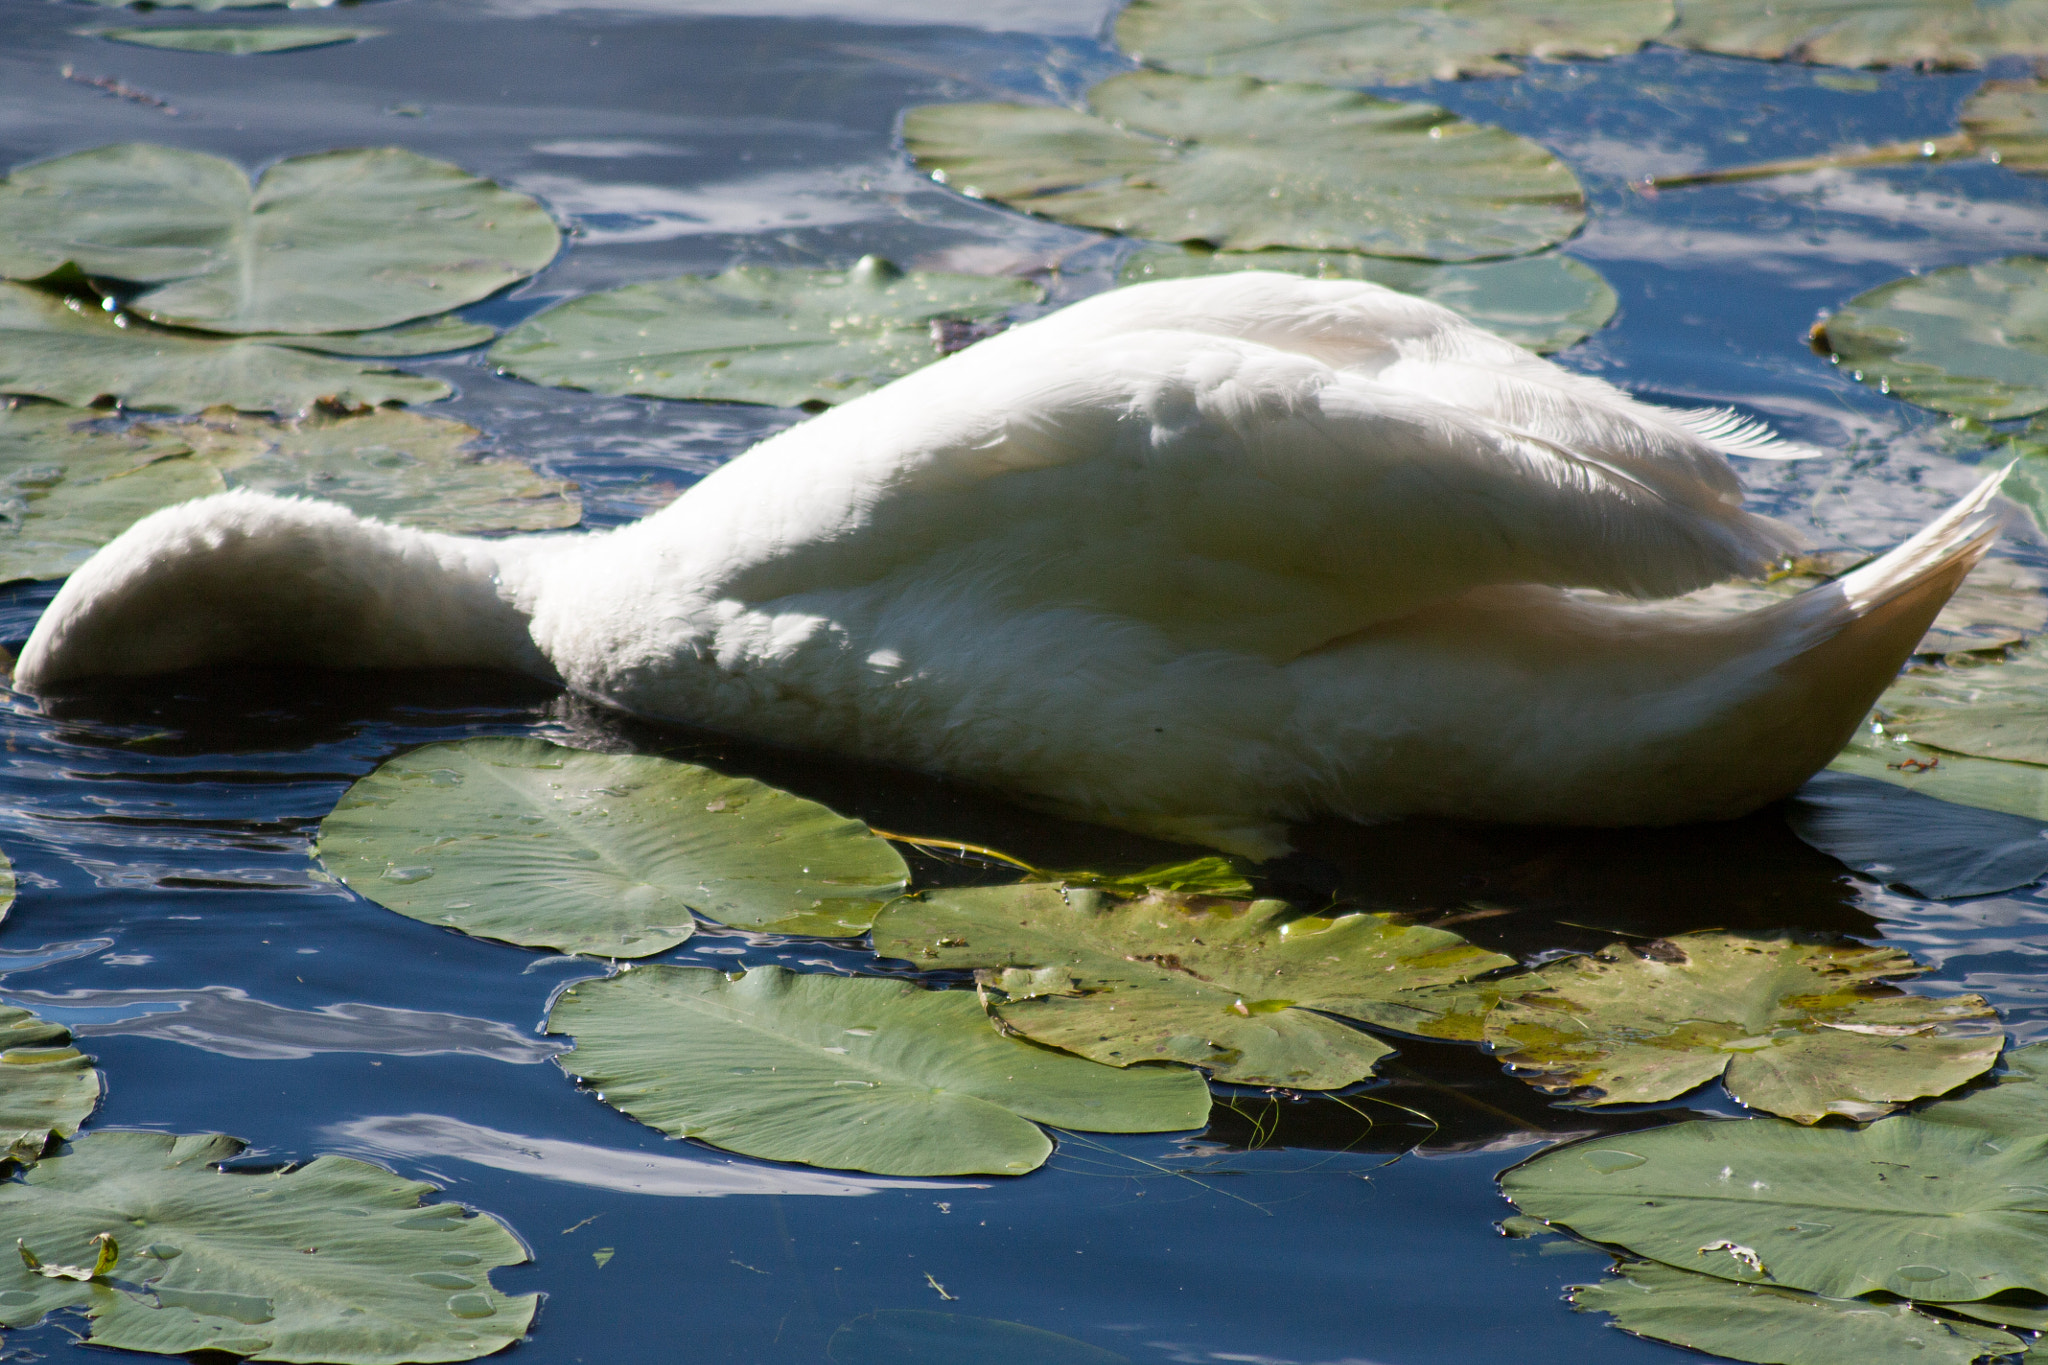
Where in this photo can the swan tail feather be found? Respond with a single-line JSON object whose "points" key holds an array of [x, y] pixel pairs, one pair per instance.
{"points": [[1730, 433]]}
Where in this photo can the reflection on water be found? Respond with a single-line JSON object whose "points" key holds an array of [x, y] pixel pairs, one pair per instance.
{"points": [[162, 832]]}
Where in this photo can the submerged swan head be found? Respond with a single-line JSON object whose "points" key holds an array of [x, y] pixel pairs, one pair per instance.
{"points": [[1193, 558]]}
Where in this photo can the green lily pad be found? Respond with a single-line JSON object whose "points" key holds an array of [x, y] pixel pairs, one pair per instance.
{"points": [[1965, 339], [1800, 1027], [1380, 42], [2014, 1105], [755, 334], [607, 854], [335, 1261], [2008, 121], [1543, 302], [64, 350], [67, 488], [1987, 708], [898, 1336], [1924, 33], [234, 42], [1938, 1212], [1211, 876], [47, 1087], [1773, 1326], [1905, 838], [1237, 987], [1987, 783], [331, 242], [1242, 164], [859, 1073], [435, 336]]}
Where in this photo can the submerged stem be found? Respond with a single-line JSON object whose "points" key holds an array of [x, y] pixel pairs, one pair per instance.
{"points": [[1948, 148]]}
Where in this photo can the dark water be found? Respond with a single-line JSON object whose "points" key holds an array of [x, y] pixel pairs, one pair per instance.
{"points": [[171, 914]]}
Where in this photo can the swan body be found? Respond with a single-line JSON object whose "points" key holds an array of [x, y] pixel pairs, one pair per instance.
{"points": [[1194, 558]]}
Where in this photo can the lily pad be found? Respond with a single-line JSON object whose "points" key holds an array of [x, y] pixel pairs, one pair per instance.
{"points": [[1380, 42], [435, 336], [1241, 988], [1925, 33], [898, 1336], [1987, 783], [1929, 1211], [1965, 339], [755, 334], [1801, 1027], [1899, 837], [62, 349], [1211, 876], [1543, 302], [1772, 1326], [607, 854], [1986, 708], [47, 1087], [859, 1073], [1242, 164], [331, 242], [2014, 1105], [2008, 120], [234, 42], [335, 1261]]}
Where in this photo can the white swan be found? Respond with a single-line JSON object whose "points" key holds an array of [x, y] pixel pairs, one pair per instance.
{"points": [[1193, 558]]}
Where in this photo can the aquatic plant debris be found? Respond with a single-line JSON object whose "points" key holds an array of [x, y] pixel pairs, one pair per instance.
{"points": [[1547, 302], [1900, 837], [1775, 1326], [67, 349], [341, 241], [336, 1261], [1962, 339], [1241, 988], [1380, 42], [856, 1073], [1796, 1025], [68, 486], [106, 1251], [47, 1087], [1243, 164], [1940, 34], [606, 854], [756, 334], [234, 42]]}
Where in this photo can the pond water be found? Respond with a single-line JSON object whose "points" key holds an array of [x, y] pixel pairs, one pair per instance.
{"points": [[171, 914]]}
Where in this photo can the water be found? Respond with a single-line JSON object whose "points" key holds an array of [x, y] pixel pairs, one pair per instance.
{"points": [[171, 914]]}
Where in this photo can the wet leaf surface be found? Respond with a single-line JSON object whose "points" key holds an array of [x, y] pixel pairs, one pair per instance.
{"points": [[1941, 1212], [47, 1087], [235, 42], [338, 241], [432, 337], [1987, 783], [859, 1073], [1924, 33], [1965, 339], [1380, 42], [1546, 303], [335, 1261], [65, 350], [1906, 838], [1800, 1027], [899, 1336], [1773, 1326], [1237, 987], [755, 334], [1241, 164], [606, 854]]}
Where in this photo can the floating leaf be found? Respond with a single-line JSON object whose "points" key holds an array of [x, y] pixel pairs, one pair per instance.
{"points": [[1233, 986], [335, 1261], [861, 1073], [2009, 121], [1380, 42], [58, 348], [1990, 784], [67, 488], [1965, 339], [1986, 708], [107, 1252], [47, 1087], [234, 42], [1933, 1211], [898, 1336], [435, 336], [331, 242], [754, 334], [1905, 838], [1239, 163], [2014, 1105], [1801, 1027], [1543, 302], [1210, 876], [607, 854], [1773, 1326], [1924, 33]]}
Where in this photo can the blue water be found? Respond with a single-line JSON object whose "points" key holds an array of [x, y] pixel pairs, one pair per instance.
{"points": [[171, 914]]}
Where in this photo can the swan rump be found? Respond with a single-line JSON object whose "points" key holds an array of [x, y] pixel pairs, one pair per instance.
{"points": [[1194, 558]]}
